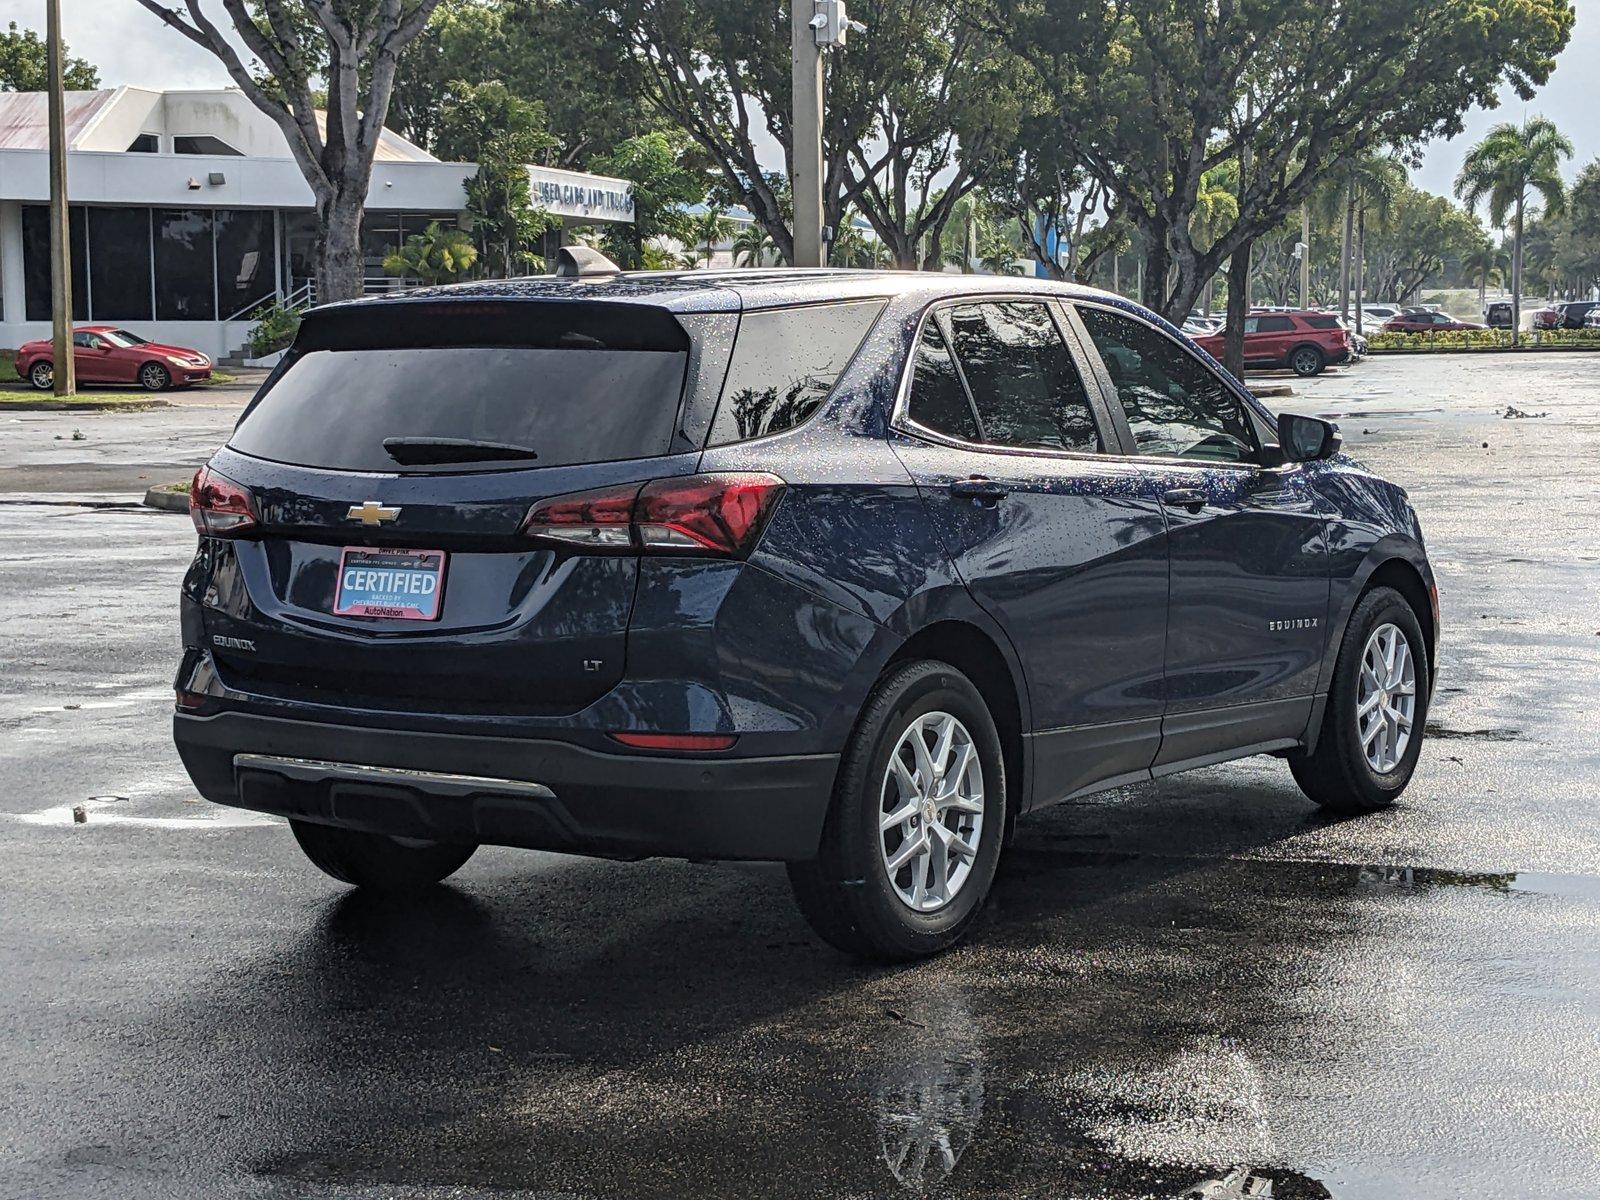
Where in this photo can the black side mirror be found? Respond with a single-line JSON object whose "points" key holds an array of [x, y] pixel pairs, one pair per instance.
{"points": [[1307, 439]]}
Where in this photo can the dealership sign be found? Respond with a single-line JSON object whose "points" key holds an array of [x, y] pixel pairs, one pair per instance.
{"points": [[571, 194]]}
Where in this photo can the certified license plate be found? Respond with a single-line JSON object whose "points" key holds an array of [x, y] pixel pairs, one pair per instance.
{"points": [[405, 585]]}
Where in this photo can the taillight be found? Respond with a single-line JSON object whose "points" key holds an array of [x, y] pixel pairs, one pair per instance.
{"points": [[218, 506], [692, 514]]}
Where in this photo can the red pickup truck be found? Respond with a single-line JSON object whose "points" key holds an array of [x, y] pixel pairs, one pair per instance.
{"points": [[1304, 342]]}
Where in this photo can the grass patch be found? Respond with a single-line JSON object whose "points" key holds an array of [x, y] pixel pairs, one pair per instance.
{"points": [[30, 400]]}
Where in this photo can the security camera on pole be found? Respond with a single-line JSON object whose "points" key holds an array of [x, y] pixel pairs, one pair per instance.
{"points": [[824, 27]]}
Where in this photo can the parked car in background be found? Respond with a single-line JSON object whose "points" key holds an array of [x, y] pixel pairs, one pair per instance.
{"points": [[1374, 315], [1303, 341], [1426, 320], [1574, 313], [1592, 321], [840, 569], [1497, 314], [1548, 317], [107, 354]]}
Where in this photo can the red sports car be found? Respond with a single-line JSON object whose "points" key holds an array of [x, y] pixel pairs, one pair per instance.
{"points": [[1424, 320], [106, 354]]}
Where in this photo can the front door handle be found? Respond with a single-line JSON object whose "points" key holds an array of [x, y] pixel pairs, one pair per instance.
{"points": [[1191, 498], [979, 488]]}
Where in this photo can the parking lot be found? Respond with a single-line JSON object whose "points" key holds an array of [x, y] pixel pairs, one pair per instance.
{"points": [[1190, 981]]}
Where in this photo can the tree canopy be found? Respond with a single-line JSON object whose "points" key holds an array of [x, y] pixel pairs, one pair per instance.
{"points": [[25, 64]]}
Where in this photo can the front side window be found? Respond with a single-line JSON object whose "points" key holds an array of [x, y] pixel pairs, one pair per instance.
{"points": [[1274, 325], [1175, 406], [1025, 388], [785, 362]]}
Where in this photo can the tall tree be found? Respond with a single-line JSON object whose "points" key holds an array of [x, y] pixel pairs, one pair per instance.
{"points": [[1158, 92], [1513, 165], [668, 178], [24, 65], [353, 47]]}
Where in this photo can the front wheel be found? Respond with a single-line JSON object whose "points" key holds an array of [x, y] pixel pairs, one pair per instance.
{"points": [[1377, 708], [376, 861], [154, 377], [42, 375], [1307, 360], [918, 816]]}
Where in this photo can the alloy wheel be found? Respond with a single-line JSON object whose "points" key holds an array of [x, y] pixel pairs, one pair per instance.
{"points": [[1386, 698], [931, 811], [43, 375], [153, 376]]}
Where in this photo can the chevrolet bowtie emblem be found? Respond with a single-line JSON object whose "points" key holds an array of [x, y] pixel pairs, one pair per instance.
{"points": [[370, 512]]}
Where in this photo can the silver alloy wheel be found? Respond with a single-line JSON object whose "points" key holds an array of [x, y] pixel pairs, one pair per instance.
{"points": [[1306, 362], [154, 376], [1386, 698], [42, 375], [930, 811]]}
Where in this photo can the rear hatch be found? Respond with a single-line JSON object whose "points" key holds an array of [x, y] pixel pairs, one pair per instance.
{"points": [[390, 467]]}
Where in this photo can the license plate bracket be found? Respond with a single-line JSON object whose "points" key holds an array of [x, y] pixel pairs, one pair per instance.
{"points": [[397, 585]]}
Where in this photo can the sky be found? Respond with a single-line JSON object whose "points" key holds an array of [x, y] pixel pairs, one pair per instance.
{"points": [[130, 46]]}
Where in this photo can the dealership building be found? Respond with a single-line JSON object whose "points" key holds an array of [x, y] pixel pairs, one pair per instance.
{"points": [[189, 214]]}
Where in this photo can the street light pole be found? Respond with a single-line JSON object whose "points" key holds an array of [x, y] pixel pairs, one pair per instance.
{"points": [[1305, 255], [806, 129], [60, 227]]}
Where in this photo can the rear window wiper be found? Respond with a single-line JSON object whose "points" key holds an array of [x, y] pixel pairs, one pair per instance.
{"points": [[412, 451]]}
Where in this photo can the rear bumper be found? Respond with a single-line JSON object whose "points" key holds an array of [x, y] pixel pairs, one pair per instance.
{"points": [[473, 788]]}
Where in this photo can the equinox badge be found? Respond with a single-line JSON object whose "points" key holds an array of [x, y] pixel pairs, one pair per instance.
{"points": [[370, 512]]}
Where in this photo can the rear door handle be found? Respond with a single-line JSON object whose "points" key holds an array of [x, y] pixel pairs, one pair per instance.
{"points": [[1190, 498], [978, 488]]}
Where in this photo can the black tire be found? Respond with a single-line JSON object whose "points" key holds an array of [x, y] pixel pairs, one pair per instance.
{"points": [[378, 862], [1338, 776], [1306, 360], [42, 375], [846, 893], [154, 377]]}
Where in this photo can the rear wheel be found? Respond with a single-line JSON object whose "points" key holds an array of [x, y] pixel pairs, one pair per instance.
{"points": [[919, 812], [1306, 360], [42, 375], [377, 861], [1377, 708], [154, 377]]}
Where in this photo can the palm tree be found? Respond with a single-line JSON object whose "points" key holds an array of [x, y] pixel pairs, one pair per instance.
{"points": [[1484, 266], [1216, 208], [1511, 166], [439, 254], [752, 244], [1375, 181], [710, 227]]}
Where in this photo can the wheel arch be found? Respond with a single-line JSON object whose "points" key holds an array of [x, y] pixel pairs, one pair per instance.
{"points": [[977, 655], [154, 362], [1299, 346]]}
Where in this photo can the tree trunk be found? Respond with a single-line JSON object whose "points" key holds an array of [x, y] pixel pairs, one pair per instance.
{"points": [[1516, 279], [1361, 263], [1344, 254], [1238, 308], [1157, 260], [338, 248]]}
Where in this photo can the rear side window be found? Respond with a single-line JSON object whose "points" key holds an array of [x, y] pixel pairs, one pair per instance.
{"points": [[1176, 407], [785, 362], [1327, 322], [334, 408], [1024, 385], [938, 401]]}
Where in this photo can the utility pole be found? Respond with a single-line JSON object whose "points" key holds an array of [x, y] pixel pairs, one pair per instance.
{"points": [[806, 128], [814, 26], [1305, 255], [65, 377]]}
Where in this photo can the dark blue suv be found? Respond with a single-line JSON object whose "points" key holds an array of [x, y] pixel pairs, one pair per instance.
{"points": [[842, 569]]}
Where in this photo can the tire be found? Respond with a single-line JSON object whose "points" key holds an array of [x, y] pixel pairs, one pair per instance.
{"points": [[154, 377], [1306, 360], [376, 861], [1340, 776], [42, 375], [848, 893]]}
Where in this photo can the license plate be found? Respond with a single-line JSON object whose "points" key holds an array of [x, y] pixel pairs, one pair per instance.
{"points": [[404, 585]]}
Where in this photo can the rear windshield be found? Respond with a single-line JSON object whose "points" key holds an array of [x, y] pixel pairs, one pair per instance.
{"points": [[334, 408]]}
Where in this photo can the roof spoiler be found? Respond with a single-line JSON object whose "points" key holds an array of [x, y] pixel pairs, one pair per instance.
{"points": [[581, 262]]}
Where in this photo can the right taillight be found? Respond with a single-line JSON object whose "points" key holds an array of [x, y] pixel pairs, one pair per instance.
{"points": [[218, 506], [720, 514]]}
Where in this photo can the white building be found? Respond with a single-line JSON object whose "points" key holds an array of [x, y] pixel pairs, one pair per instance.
{"points": [[188, 212]]}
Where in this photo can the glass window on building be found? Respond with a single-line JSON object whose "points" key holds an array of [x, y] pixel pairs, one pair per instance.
{"points": [[185, 265], [119, 264], [245, 251], [36, 262]]}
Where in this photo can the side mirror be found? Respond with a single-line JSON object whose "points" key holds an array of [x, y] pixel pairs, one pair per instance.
{"points": [[1307, 439]]}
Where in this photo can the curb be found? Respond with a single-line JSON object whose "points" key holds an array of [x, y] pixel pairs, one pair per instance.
{"points": [[166, 501], [1374, 352], [82, 405]]}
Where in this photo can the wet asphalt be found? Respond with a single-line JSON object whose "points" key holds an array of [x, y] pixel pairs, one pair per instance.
{"points": [[1197, 983]]}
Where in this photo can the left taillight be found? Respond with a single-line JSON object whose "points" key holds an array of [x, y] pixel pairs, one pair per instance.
{"points": [[218, 506], [721, 514]]}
